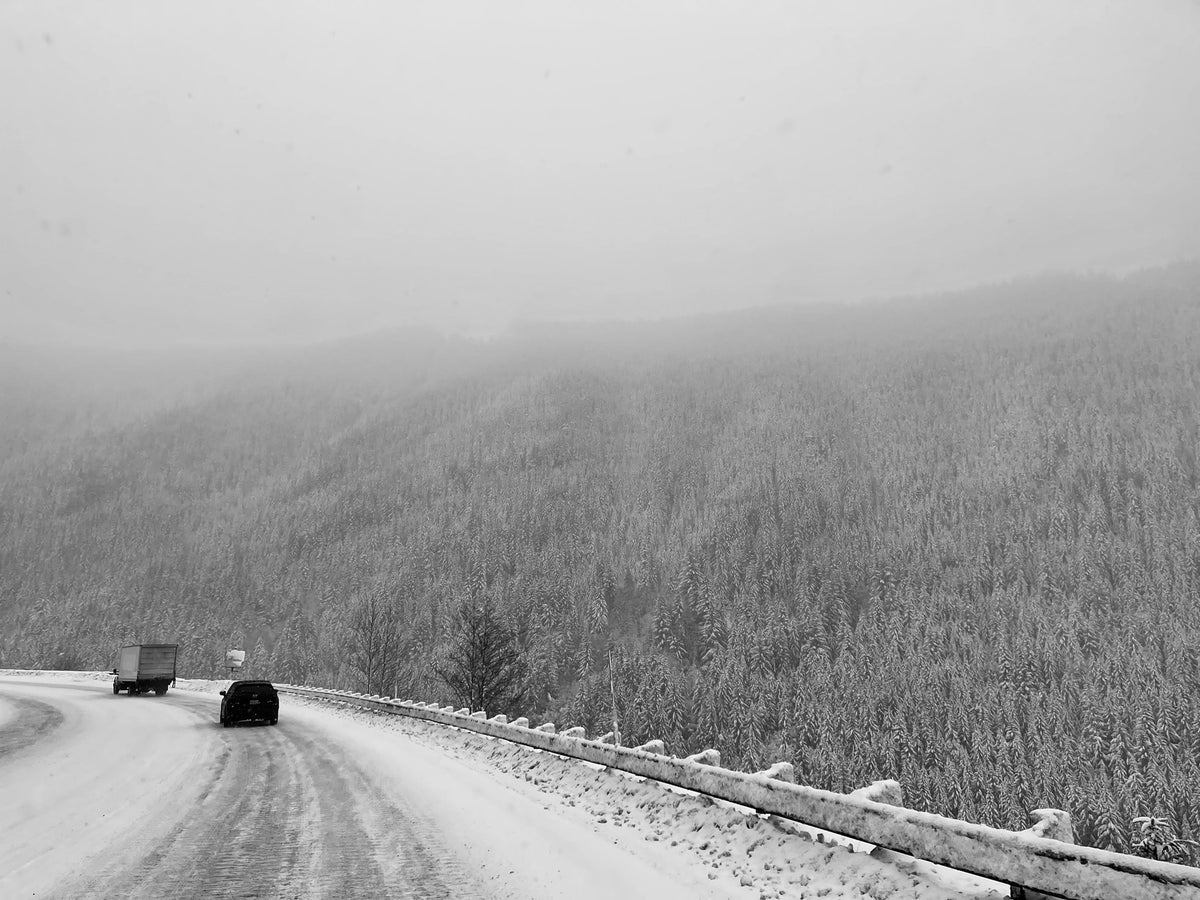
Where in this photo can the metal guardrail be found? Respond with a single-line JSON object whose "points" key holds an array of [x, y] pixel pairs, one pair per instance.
{"points": [[1015, 858]]}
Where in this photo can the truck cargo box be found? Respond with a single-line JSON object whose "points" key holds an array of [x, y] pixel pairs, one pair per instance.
{"points": [[143, 667]]}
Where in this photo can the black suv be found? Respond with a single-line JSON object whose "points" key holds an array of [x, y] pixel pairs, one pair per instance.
{"points": [[249, 701]]}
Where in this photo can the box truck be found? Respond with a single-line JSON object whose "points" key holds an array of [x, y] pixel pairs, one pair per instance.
{"points": [[145, 667]]}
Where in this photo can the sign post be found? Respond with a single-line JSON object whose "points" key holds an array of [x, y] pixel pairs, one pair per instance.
{"points": [[234, 660]]}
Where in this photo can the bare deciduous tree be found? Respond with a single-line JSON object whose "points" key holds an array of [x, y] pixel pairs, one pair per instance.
{"points": [[374, 641], [483, 665]]}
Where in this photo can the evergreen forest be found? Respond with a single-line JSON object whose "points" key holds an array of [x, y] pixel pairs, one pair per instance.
{"points": [[951, 540]]}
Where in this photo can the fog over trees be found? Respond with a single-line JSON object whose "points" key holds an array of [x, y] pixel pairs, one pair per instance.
{"points": [[952, 540]]}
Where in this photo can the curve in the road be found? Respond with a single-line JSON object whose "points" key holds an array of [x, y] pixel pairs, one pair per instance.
{"points": [[148, 797], [151, 798], [27, 722]]}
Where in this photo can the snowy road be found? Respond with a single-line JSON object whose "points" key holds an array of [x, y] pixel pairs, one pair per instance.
{"points": [[148, 797]]}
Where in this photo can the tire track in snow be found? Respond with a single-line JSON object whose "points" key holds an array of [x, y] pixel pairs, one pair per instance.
{"points": [[284, 817], [390, 837], [33, 721]]}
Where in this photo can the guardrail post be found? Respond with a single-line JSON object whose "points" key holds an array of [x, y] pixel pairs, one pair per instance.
{"points": [[654, 746], [465, 711], [607, 738], [781, 771], [1054, 824], [576, 732], [707, 757], [546, 728], [500, 719], [521, 722], [479, 714], [886, 791]]}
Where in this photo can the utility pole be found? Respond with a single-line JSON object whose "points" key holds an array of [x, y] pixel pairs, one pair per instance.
{"points": [[612, 692]]}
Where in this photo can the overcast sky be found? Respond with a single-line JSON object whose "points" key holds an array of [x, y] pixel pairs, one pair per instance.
{"points": [[251, 169]]}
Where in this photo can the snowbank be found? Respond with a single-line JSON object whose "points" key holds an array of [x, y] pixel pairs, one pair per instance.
{"points": [[870, 812], [1019, 858], [765, 855]]}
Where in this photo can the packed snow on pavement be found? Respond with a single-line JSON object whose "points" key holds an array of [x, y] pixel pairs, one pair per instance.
{"points": [[765, 855], [774, 856], [741, 853]]}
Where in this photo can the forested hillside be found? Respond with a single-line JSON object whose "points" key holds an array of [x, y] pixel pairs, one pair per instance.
{"points": [[952, 541]]}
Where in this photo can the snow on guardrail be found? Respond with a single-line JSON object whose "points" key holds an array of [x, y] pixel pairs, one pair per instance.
{"points": [[1023, 859]]}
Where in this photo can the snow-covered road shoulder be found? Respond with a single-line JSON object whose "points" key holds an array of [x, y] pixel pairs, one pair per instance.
{"points": [[74, 786], [484, 816], [736, 849]]}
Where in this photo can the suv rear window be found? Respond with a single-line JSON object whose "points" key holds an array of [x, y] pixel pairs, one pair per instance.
{"points": [[253, 690]]}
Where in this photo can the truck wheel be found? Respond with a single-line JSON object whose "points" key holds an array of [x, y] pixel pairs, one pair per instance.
{"points": [[159, 691], [116, 688]]}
